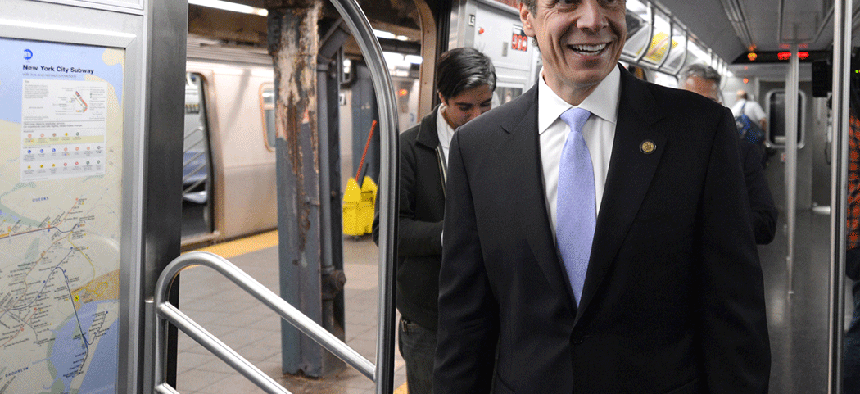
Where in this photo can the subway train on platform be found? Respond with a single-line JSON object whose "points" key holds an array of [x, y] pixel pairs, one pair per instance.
{"points": [[794, 58]]}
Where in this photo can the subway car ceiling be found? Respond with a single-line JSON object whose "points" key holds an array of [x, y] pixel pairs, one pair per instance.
{"points": [[713, 31]]}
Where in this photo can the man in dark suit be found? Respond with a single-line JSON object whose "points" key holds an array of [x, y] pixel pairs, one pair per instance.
{"points": [[670, 299], [465, 81], [705, 80]]}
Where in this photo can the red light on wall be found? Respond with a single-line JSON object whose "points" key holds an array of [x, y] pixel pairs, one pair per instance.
{"points": [[787, 55], [752, 56], [746, 80], [402, 92]]}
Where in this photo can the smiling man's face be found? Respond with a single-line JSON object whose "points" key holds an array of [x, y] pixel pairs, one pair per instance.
{"points": [[580, 42]]}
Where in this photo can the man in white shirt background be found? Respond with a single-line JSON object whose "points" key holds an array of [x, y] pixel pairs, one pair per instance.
{"points": [[745, 105]]}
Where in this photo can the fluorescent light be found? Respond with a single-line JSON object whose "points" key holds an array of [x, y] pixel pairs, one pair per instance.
{"points": [[698, 53], [230, 6], [383, 34], [393, 59], [636, 6], [414, 59]]}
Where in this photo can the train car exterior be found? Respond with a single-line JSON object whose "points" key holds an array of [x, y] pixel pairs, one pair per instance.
{"points": [[237, 89]]}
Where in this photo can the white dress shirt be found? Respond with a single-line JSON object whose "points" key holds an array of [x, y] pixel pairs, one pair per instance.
{"points": [[444, 132], [599, 131], [751, 109]]}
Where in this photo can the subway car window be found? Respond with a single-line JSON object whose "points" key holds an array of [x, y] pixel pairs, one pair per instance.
{"points": [[638, 28], [267, 105], [776, 117], [507, 93], [678, 52]]}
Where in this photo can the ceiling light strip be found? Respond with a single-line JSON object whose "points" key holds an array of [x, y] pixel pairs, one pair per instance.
{"points": [[736, 16]]}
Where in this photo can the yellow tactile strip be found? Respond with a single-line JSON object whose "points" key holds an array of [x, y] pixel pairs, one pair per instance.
{"points": [[243, 245]]}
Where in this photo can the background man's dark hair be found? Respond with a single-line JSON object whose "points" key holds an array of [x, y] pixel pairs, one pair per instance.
{"points": [[702, 71], [462, 69]]}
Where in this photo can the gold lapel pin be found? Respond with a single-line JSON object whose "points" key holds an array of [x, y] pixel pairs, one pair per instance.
{"points": [[647, 147]]}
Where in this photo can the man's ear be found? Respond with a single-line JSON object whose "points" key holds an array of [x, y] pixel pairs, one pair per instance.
{"points": [[442, 99], [524, 17]]}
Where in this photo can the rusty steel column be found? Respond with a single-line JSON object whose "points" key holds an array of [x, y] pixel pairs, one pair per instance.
{"points": [[293, 44]]}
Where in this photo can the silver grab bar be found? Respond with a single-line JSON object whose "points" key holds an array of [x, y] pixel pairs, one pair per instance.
{"points": [[842, 25], [165, 314], [389, 155]]}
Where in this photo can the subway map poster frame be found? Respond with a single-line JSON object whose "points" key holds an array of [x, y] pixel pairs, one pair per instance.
{"points": [[61, 215]]}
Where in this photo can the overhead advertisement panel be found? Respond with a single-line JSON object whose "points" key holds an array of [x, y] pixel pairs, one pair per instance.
{"points": [[61, 126], [661, 40]]}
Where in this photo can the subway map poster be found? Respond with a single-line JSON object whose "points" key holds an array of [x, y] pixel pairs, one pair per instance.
{"points": [[61, 124]]}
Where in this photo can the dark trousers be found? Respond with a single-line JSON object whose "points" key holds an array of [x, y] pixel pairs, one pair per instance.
{"points": [[852, 348], [418, 348]]}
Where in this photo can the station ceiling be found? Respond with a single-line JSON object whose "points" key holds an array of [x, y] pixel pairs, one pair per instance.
{"points": [[401, 13], [399, 17]]}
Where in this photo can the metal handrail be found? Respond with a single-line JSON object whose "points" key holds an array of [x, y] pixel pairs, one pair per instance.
{"points": [[388, 178], [165, 314]]}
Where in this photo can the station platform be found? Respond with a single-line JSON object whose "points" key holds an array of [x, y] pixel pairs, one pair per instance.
{"points": [[254, 331]]}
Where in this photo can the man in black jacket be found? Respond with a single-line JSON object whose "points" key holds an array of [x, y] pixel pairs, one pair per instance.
{"points": [[465, 81], [597, 235], [704, 80]]}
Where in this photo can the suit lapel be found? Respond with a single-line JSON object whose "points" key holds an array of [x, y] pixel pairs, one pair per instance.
{"points": [[631, 169], [522, 152]]}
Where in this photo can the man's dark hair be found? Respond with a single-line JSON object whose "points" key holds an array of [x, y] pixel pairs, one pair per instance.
{"points": [[702, 71], [461, 69]]}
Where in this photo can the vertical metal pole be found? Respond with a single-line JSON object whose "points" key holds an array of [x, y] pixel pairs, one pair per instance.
{"points": [[388, 195], [839, 193], [792, 85], [167, 24], [332, 275]]}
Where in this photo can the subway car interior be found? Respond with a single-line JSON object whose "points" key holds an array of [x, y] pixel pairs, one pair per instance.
{"points": [[249, 144]]}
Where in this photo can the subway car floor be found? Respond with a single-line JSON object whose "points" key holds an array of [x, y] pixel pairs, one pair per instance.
{"points": [[254, 331], [796, 297], [797, 302]]}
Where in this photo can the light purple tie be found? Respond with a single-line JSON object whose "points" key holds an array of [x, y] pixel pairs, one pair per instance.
{"points": [[575, 216]]}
